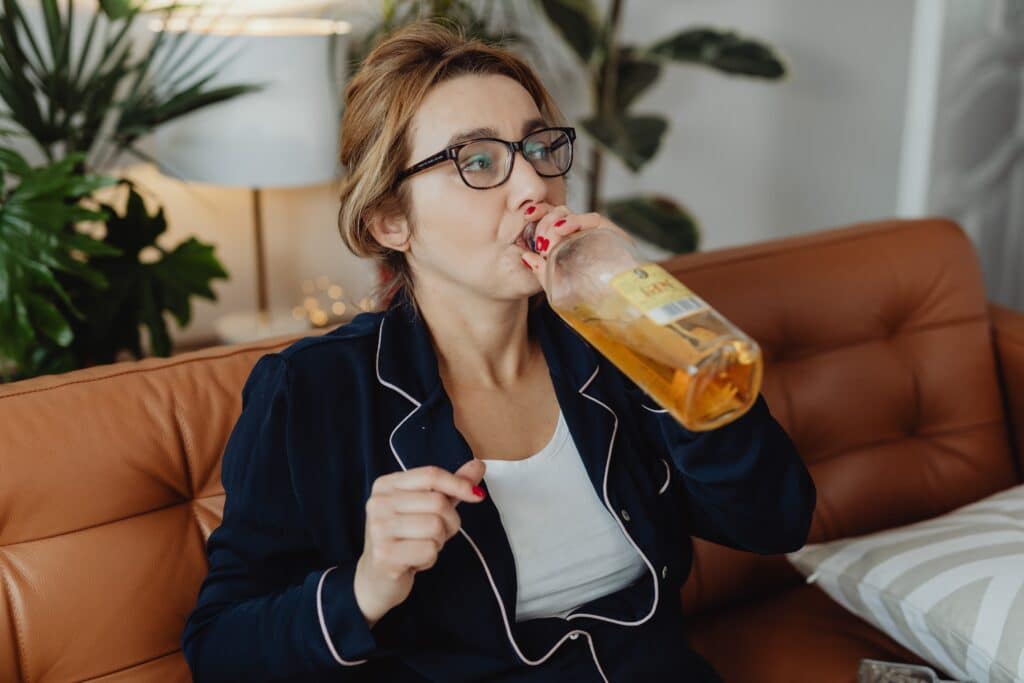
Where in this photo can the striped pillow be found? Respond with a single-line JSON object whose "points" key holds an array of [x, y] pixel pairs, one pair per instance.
{"points": [[950, 589]]}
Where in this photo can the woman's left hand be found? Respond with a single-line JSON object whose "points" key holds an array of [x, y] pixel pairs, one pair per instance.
{"points": [[555, 223]]}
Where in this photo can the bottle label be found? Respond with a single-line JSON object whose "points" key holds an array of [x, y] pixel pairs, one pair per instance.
{"points": [[660, 296]]}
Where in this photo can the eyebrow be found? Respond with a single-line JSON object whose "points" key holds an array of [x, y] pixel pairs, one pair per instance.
{"points": [[488, 132]]}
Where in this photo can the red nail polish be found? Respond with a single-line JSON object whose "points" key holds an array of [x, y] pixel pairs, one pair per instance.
{"points": [[543, 243], [478, 492], [560, 222], [531, 210], [527, 263]]}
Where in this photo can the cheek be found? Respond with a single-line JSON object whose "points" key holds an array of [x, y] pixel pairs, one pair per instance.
{"points": [[456, 218]]}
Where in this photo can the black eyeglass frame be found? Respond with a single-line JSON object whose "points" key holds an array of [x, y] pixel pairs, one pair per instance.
{"points": [[452, 153]]}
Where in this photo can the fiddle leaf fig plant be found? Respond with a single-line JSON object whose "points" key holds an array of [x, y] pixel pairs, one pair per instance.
{"points": [[618, 74], [143, 287]]}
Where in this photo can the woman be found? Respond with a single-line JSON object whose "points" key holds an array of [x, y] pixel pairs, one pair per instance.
{"points": [[459, 488]]}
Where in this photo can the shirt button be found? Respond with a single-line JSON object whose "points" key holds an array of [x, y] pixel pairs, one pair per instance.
{"points": [[664, 571], [625, 515]]}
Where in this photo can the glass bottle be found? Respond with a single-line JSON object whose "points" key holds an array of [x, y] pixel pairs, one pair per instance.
{"points": [[692, 361]]}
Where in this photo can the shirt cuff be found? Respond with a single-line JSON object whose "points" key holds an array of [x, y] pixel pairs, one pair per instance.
{"points": [[344, 628]]}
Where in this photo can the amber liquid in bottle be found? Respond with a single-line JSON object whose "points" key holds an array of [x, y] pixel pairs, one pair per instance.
{"points": [[664, 360], [692, 361]]}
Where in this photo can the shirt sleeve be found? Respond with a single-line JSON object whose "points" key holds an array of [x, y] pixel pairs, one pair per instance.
{"points": [[271, 607], [747, 486]]}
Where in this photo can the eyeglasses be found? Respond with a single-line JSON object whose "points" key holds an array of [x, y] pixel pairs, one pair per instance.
{"points": [[484, 163]]}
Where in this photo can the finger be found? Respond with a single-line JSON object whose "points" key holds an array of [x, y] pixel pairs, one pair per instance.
{"points": [[416, 527], [408, 554], [430, 478], [542, 209], [472, 470], [553, 227], [581, 221], [431, 502], [535, 262], [550, 217]]}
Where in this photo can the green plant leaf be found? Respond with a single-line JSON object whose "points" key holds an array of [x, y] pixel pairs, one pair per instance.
{"points": [[185, 272], [634, 76], [37, 236], [656, 219], [577, 21], [12, 162], [633, 139], [118, 9], [725, 51], [136, 229], [47, 319], [69, 96], [140, 292]]}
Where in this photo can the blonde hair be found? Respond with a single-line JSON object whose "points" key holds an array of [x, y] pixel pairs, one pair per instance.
{"points": [[380, 102]]}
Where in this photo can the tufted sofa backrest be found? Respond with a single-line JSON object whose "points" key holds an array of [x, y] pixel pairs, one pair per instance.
{"points": [[878, 363]]}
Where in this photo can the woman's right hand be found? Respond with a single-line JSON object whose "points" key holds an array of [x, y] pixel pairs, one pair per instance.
{"points": [[410, 515]]}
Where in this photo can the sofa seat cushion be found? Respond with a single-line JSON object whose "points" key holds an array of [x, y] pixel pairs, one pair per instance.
{"points": [[797, 636]]}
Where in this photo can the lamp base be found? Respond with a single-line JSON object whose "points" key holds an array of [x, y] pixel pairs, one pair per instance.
{"points": [[237, 328]]}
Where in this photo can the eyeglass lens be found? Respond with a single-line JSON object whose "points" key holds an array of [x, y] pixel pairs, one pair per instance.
{"points": [[487, 163]]}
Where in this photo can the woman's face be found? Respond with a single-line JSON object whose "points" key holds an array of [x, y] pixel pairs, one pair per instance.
{"points": [[464, 236]]}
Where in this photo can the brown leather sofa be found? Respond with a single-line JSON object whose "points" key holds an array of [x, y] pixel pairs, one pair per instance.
{"points": [[901, 386]]}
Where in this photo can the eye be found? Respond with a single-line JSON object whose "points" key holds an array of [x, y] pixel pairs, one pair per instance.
{"points": [[537, 150], [478, 162]]}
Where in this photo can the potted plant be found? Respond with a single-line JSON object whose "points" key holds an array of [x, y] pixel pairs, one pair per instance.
{"points": [[72, 293]]}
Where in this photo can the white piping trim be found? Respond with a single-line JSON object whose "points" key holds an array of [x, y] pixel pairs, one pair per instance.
{"points": [[593, 653], [504, 616], [607, 467], [380, 336], [323, 622], [668, 476], [476, 549], [653, 410]]}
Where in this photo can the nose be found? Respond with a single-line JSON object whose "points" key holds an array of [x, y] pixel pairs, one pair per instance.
{"points": [[525, 184]]}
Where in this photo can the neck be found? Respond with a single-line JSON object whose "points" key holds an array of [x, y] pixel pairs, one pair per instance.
{"points": [[481, 342]]}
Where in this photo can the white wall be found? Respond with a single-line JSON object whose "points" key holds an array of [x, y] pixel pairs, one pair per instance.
{"points": [[755, 160]]}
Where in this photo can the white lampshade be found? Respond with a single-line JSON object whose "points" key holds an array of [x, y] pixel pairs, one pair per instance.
{"points": [[252, 8], [284, 135]]}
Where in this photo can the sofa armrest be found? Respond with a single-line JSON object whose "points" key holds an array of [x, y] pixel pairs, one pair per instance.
{"points": [[1008, 338]]}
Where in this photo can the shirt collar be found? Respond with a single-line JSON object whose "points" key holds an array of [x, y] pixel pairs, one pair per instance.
{"points": [[407, 361]]}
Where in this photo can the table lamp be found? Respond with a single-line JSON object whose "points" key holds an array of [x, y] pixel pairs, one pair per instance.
{"points": [[284, 135]]}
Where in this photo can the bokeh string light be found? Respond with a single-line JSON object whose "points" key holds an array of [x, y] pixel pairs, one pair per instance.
{"points": [[324, 303]]}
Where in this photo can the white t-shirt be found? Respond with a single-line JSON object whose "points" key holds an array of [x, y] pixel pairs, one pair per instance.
{"points": [[568, 548]]}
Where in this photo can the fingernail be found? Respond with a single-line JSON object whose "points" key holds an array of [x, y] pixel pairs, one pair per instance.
{"points": [[531, 210], [526, 263], [560, 222], [478, 492]]}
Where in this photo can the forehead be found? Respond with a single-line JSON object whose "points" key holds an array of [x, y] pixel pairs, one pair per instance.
{"points": [[468, 102]]}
